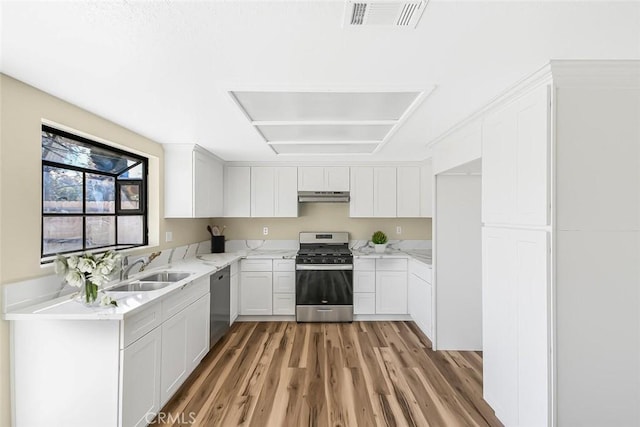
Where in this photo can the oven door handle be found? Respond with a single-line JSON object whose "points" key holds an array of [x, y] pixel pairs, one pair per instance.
{"points": [[324, 267]]}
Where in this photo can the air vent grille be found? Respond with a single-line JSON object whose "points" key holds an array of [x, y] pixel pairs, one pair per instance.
{"points": [[384, 13]]}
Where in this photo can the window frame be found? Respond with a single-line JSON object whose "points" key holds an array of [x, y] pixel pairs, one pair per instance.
{"points": [[143, 210]]}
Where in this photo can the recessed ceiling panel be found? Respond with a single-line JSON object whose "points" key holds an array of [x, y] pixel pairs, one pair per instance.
{"points": [[324, 148], [293, 132], [343, 106]]}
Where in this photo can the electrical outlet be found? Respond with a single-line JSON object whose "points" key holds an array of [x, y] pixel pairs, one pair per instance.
{"points": [[265, 230], [168, 236], [398, 230]]}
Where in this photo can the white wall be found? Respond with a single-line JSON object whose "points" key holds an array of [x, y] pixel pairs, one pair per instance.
{"points": [[458, 262]]}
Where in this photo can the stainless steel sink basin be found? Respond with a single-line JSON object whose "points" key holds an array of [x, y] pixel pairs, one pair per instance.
{"points": [[164, 276], [140, 287]]}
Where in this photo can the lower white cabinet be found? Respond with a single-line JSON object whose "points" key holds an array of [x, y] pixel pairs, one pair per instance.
{"points": [[141, 376], [256, 295], [391, 292], [185, 341], [420, 298], [234, 292], [284, 304], [284, 287], [364, 303], [380, 286]]}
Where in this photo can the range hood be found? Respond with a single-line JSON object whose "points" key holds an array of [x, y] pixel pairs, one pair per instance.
{"points": [[323, 196]]}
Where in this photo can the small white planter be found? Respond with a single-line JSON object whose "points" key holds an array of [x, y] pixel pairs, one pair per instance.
{"points": [[380, 248]]}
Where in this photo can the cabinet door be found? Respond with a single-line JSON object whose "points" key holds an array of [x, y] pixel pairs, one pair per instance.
{"points": [[205, 186], [530, 249], [175, 360], [498, 145], [384, 192], [237, 191], [284, 282], [364, 281], [426, 191], [311, 179], [336, 179], [197, 331], [532, 159], [361, 204], [234, 297], [141, 380], [284, 304], [286, 196], [391, 292], [364, 303], [262, 191], [256, 293], [408, 192], [499, 325]]}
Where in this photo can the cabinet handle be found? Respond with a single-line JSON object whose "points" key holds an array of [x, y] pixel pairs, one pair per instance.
{"points": [[324, 310]]}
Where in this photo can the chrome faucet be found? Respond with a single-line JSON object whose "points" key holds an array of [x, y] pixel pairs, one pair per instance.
{"points": [[126, 268]]}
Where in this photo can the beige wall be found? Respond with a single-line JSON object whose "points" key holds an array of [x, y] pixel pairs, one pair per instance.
{"points": [[324, 217], [22, 109]]}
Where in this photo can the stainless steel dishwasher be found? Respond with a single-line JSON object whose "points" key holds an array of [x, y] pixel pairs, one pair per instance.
{"points": [[220, 314]]}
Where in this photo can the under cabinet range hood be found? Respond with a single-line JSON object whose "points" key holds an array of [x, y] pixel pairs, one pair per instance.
{"points": [[323, 196]]}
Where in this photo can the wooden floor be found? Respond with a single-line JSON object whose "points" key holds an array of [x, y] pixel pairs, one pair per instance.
{"points": [[359, 374]]}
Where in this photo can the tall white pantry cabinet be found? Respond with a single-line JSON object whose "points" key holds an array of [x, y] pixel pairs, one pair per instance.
{"points": [[561, 251]]}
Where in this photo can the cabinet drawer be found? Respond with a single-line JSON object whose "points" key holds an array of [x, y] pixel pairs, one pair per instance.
{"points": [[364, 281], [284, 304], [255, 265], [284, 282], [182, 297], [284, 265], [364, 303], [391, 264], [364, 264], [138, 324]]}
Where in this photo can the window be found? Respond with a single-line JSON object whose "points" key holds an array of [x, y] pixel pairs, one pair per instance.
{"points": [[93, 195]]}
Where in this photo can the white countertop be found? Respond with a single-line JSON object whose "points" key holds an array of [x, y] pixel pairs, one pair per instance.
{"points": [[67, 308]]}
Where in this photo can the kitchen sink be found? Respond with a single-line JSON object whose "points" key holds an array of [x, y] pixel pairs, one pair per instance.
{"points": [[164, 276], [140, 287]]}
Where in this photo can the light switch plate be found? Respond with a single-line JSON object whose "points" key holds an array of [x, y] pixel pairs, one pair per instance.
{"points": [[168, 236]]}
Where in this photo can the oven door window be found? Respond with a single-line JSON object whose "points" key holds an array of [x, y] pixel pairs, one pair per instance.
{"points": [[321, 287]]}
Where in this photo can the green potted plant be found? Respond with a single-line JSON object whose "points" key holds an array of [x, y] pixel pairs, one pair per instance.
{"points": [[379, 240]]}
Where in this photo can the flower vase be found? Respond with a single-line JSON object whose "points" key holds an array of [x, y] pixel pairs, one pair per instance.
{"points": [[89, 293]]}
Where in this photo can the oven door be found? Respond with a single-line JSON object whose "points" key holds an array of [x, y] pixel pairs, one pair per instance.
{"points": [[324, 285]]}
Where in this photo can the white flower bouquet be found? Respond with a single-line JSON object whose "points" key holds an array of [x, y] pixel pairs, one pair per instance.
{"points": [[88, 272]]}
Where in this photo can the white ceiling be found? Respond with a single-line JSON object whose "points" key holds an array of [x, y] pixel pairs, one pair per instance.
{"points": [[165, 68]]}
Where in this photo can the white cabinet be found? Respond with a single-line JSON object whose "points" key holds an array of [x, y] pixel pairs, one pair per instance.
{"points": [[364, 286], [274, 192], [426, 191], [323, 179], [193, 182], [185, 335], [237, 191], [420, 297], [515, 324], [284, 286], [256, 287], [141, 380], [515, 157], [373, 192], [384, 192], [408, 194], [391, 292], [361, 195], [234, 292]]}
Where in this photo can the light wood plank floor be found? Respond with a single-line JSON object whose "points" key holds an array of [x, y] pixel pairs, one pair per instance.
{"points": [[359, 374]]}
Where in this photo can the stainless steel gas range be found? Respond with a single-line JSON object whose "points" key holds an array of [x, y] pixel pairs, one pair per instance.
{"points": [[324, 278]]}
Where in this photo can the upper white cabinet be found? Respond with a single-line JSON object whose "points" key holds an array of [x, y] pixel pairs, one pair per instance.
{"points": [[426, 191], [193, 182], [237, 191], [515, 157], [373, 192], [323, 178], [274, 192], [408, 194]]}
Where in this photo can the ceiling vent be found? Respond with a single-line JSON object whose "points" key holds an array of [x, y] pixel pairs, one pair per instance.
{"points": [[383, 13]]}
